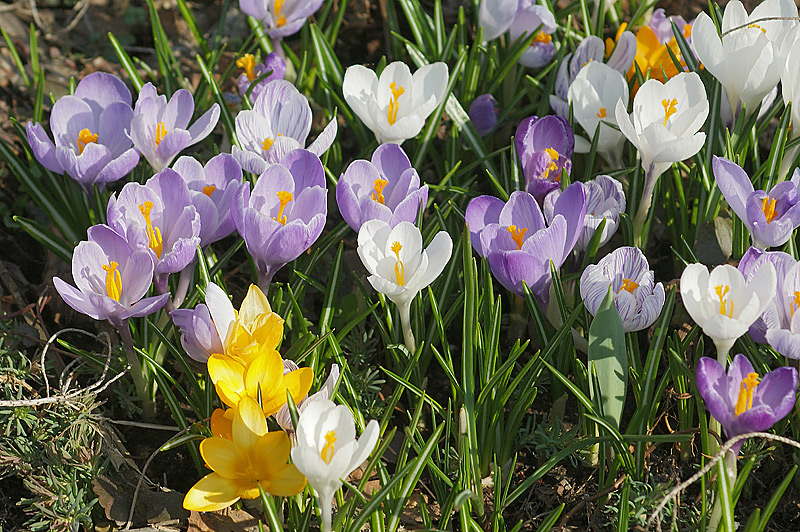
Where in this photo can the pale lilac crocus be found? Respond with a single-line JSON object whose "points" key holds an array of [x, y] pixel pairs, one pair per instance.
{"points": [[199, 336], [283, 417], [273, 63], [91, 130], [160, 128], [741, 400], [281, 18], [605, 200], [284, 214], [518, 244], [591, 49], [661, 25], [158, 217], [518, 17], [112, 278], [386, 188], [638, 298], [279, 122], [484, 113], [771, 217], [544, 146]]}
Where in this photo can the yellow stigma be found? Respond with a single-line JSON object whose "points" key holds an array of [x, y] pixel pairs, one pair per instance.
{"points": [[669, 108], [208, 190], [394, 104], [399, 269], [285, 198], [768, 206], [267, 144], [327, 450], [602, 113], [542, 37], [629, 285], [248, 63], [553, 166], [745, 400], [113, 280], [161, 132], [795, 302], [378, 185], [757, 26], [280, 20], [517, 235], [153, 233], [85, 137], [722, 291]]}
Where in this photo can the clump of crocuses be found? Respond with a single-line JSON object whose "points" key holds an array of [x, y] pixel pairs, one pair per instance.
{"points": [[91, 129], [544, 146], [386, 188], [273, 66]]}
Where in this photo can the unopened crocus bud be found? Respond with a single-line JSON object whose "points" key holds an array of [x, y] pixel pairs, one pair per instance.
{"points": [[484, 112]]}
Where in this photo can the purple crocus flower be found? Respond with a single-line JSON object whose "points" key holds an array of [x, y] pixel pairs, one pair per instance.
{"points": [[91, 129], [284, 214], [638, 299], [211, 189], [770, 217], [590, 49], [387, 188], [279, 122], [281, 18], [519, 245], [740, 401], [252, 71], [605, 200], [660, 24], [484, 112], [199, 336], [160, 128], [158, 217], [545, 147], [530, 16], [111, 278]]}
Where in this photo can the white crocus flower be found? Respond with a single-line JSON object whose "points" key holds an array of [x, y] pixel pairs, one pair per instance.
{"points": [[664, 126], [747, 59], [594, 94], [723, 304], [398, 265], [790, 87], [395, 106], [327, 450]]}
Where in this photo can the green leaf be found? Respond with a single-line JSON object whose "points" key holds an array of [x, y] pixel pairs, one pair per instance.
{"points": [[608, 354]]}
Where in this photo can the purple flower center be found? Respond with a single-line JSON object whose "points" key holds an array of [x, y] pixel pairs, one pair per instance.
{"points": [[284, 197], [85, 137], [248, 63], [153, 233], [280, 20], [554, 155], [517, 235], [208, 190], [161, 132], [768, 206], [746, 389], [629, 285], [113, 281], [378, 185]]}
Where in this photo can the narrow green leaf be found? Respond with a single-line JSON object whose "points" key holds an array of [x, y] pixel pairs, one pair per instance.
{"points": [[607, 352]]}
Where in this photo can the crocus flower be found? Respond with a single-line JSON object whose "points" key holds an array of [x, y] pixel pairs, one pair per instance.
{"points": [[594, 94], [395, 106], [664, 127], [777, 326], [253, 457], [159, 217], [517, 242], [517, 17], [605, 200], [591, 50], [284, 418], [252, 71], [387, 188], [741, 400], [638, 299], [199, 337], [771, 217], [653, 55], [281, 18], [661, 25], [723, 304], [160, 128], [790, 90], [284, 214], [544, 146], [327, 450], [91, 131], [279, 122], [398, 266], [211, 188], [483, 113], [111, 278], [747, 61]]}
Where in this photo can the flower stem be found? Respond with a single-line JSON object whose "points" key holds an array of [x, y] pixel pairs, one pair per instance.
{"points": [[265, 279], [325, 512], [405, 321], [183, 284], [644, 205], [137, 372]]}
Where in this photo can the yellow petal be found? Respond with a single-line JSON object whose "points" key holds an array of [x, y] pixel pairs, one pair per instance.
{"points": [[222, 423], [266, 371], [255, 303], [212, 492], [223, 457], [249, 425], [285, 482], [271, 453], [267, 330], [222, 368], [298, 382]]}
